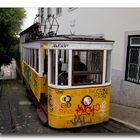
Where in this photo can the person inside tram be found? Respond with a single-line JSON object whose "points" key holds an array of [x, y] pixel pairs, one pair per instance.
{"points": [[79, 66]]}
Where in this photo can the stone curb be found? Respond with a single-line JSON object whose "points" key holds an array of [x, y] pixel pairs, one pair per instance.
{"points": [[130, 125]]}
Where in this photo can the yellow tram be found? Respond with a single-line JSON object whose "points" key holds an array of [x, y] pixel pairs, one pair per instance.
{"points": [[70, 79]]}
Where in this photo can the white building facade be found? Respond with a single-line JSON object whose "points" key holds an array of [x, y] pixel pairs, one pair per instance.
{"points": [[119, 24]]}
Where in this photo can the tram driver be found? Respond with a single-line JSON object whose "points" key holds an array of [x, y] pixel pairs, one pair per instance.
{"points": [[79, 66]]}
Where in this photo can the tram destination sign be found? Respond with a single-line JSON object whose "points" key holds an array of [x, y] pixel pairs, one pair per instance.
{"points": [[81, 46], [59, 46]]}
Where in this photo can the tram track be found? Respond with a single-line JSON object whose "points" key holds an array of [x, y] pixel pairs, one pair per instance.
{"points": [[13, 126], [117, 127], [9, 118]]}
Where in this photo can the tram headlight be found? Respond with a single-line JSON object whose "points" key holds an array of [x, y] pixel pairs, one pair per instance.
{"points": [[87, 100]]}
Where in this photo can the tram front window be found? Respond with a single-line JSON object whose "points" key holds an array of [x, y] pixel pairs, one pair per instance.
{"points": [[87, 67], [63, 61]]}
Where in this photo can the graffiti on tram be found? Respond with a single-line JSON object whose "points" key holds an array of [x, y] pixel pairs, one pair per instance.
{"points": [[83, 114]]}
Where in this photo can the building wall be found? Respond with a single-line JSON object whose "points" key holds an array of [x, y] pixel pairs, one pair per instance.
{"points": [[115, 24]]}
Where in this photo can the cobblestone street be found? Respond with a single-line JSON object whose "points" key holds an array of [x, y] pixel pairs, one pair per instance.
{"points": [[18, 116]]}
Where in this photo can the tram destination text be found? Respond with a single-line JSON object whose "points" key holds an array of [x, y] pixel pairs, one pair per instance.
{"points": [[60, 46]]}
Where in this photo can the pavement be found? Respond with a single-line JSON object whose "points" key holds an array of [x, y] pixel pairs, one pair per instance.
{"points": [[128, 116]]}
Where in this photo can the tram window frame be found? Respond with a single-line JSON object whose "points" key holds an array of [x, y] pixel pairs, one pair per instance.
{"points": [[89, 72], [56, 78], [97, 74]]}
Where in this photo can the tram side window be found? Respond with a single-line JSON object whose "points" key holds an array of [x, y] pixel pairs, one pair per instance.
{"points": [[33, 58], [28, 56], [108, 64], [37, 60], [63, 61], [45, 62], [24, 54], [87, 67], [52, 56]]}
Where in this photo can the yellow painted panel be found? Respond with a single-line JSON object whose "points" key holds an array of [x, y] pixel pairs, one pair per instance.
{"points": [[22, 66], [65, 108], [36, 83]]}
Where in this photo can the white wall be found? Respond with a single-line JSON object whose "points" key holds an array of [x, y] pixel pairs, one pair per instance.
{"points": [[114, 22]]}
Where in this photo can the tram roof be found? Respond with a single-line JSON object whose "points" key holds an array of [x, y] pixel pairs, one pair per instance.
{"points": [[86, 38]]}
